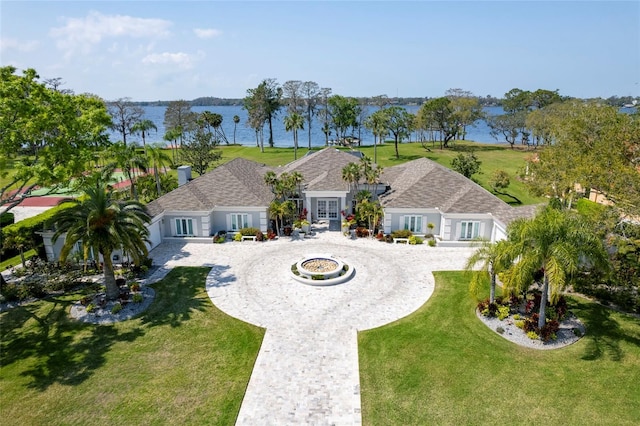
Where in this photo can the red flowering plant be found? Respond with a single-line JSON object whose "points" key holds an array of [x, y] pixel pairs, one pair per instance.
{"points": [[347, 219]]}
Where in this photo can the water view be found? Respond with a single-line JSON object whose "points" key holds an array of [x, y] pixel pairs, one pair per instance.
{"points": [[245, 135]]}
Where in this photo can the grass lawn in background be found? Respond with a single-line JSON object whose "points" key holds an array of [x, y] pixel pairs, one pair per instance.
{"points": [[181, 362], [442, 365]]}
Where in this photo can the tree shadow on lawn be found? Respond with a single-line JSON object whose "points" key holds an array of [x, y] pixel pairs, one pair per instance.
{"points": [[604, 333], [178, 294], [58, 349]]}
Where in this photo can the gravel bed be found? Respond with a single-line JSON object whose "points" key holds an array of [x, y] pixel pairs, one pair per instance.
{"points": [[104, 315], [565, 336]]}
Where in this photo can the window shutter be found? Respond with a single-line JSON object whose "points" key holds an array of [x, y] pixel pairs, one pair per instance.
{"points": [[229, 222], [249, 219], [403, 224]]}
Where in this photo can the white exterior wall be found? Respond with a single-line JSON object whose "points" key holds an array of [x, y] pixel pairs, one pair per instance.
{"points": [[394, 220]]}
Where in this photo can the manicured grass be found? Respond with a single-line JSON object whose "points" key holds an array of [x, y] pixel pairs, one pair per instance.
{"points": [[181, 362], [16, 260], [441, 365]]}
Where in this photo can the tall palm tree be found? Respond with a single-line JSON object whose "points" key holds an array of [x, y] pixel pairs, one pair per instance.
{"points": [[236, 120], [293, 123], [104, 224], [127, 159], [351, 174], [555, 241], [493, 259], [143, 127], [158, 159]]}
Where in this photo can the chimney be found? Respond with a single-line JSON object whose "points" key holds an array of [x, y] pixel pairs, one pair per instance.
{"points": [[184, 175]]}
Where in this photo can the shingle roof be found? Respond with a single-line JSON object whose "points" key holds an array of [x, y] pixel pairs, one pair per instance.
{"points": [[239, 182], [322, 170], [423, 183]]}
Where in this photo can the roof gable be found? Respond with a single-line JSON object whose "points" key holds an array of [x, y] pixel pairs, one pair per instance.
{"points": [[322, 170], [423, 183], [239, 182]]}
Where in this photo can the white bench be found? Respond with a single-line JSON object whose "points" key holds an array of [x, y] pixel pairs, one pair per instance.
{"points": [[400, 240], [248, 237]]}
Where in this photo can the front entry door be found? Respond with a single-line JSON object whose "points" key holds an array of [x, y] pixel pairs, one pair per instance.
{"points": [[328, 208]]}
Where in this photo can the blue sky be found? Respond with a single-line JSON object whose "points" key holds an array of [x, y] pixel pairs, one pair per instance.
{"points": [[166, 50]]}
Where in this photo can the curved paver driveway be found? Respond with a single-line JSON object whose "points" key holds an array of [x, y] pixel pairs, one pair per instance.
{"points": [[307, 368]]}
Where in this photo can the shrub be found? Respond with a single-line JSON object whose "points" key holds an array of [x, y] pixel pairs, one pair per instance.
{"points": [[249, 232], [317, 277], [413, 240], [532, 335], [32, 289], [432, 243], [401, 233], [362, 232], [577, 332], [259, 236], [516, 317], [531, 324], [500, 330], [488, 309], [520, 324], [10, 293], [117, 307], [219, 240], [237, 237], [137, 298], [135, 287], [271, 235], [294, 269], [503, 312], [91, 307], [549, 330]]}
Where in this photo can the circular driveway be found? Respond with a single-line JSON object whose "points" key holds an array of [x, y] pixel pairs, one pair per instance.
{"points": [[307, 369], [252, 281]]}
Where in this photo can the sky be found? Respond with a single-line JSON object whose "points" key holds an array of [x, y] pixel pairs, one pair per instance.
{"points": [[169, 50]]}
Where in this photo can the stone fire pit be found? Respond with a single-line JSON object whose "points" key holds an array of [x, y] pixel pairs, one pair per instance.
{"points": [[321, 270]]}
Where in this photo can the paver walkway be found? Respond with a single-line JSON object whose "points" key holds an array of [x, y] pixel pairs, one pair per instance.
{"points": [[307, 368]]}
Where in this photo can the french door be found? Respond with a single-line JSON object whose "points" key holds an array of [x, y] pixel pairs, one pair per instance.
{"points": [[327, 208]]}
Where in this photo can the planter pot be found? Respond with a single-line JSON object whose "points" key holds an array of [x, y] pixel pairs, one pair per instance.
{"points": [[306, 228]]}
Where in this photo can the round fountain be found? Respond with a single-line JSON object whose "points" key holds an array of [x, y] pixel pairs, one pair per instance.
{"points": [[321, 270]]}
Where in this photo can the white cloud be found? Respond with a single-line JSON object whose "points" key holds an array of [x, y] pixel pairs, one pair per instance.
{"points": [[83, 33], [181, 59], [21, 46], [207, 32]]}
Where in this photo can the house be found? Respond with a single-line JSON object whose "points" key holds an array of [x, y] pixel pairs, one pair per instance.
{"points": [[413, 195]]}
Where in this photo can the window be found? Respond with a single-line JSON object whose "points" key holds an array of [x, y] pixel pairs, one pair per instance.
{"points": [[413, 224], [239, 221], [469, 230], [184, 227]]}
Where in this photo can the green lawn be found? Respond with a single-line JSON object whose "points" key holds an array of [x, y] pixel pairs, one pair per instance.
{"points": [[181, 362], [442, 366], [17, 260]]}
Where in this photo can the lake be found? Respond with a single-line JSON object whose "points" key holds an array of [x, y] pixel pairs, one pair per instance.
{"points": [[246, 136]]}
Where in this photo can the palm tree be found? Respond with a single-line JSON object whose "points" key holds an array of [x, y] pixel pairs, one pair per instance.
{"points": [[556, 242], [158, 158], [103, 224], [293, 123], [236, 120], [127, 159], [493, 259], [143, 127], [278, 210], [351, 174]]}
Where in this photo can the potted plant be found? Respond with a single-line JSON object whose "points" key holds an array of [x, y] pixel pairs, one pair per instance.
{"points": [[305, 225]]}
